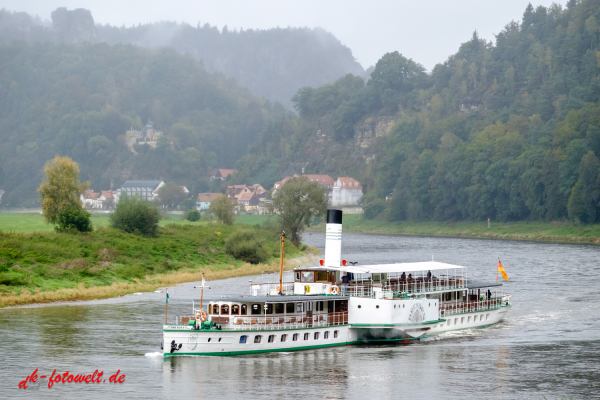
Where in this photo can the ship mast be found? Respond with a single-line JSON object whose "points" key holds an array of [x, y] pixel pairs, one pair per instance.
{"points": [[281, 264]]}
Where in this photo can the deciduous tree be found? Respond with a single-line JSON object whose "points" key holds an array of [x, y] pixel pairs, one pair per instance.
{"points": [[61, 189], [222, 207]]}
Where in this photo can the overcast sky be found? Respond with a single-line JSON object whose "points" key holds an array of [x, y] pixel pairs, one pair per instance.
{"points": [[426, 31]]}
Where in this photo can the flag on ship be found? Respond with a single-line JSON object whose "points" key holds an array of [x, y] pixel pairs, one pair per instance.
{"points": [[501, 269], [167, 290]]}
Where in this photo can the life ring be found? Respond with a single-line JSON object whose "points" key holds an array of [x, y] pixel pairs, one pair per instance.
{"points": [[334, 290], [202, 315], [307, 289]]}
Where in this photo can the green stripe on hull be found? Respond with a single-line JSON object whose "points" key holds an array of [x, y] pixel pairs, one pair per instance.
{"points": [[239, 353]]}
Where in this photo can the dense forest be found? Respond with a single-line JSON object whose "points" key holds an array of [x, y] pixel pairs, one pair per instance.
{"points": [[507, 130], [78, 100], [272, 63]]}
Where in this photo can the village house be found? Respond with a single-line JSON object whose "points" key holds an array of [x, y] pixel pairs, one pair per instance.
{"points": [[248, 200], [204, 200], [325, 181], [148, 135], [346, 191], [221, 174], [147, 190], [90, 199]]}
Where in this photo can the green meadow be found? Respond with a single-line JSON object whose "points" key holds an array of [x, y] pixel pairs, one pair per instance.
{"points": [[560, 232]]}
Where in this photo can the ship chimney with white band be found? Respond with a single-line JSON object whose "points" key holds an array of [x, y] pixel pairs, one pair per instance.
{"points": [[333, 239]]}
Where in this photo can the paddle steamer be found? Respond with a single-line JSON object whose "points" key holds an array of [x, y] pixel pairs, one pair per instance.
{"points": [[336, 304]]}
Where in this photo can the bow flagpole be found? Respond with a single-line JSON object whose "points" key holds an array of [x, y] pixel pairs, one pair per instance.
{"points": [[166, 304]]}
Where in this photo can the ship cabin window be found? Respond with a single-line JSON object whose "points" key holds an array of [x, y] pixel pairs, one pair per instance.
{"points": [[322, 276], [256, 309], [279, 308], [235, 309], [225, 309], [455, 321], [244, 309], [448, 296], [271, 338], [297, 276], [283, 338], [319, 305], [306, 336], [335, 334], [257, 338], [449, 322], [487, 316], [215, 309], [462, 320], [243, 339], [289, 308], [299, 307], [475, 318], [469, 320], [316, 337], [326, 335], [295, 337], [308, 276], [269, 308]]}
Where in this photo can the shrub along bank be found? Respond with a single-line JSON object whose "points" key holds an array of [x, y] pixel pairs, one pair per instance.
{"points": [[39, 262]]}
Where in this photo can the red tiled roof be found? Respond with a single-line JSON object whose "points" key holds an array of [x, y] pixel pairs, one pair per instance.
{"points": [[208, 197], [89, 194], [245, 196], [226, 172], [320, 179], [346, 182], [107, 194]]}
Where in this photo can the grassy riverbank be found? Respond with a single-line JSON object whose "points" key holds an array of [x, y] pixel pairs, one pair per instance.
{"points": [[50, 266], [559, 232]]}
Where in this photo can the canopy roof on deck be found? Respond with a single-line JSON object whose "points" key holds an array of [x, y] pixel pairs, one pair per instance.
{"points": [[387, 268]]}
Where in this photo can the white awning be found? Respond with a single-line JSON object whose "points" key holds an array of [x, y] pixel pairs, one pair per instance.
{"points": [[399, 268]]}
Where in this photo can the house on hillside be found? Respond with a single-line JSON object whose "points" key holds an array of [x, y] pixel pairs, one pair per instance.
{"points": [[147, 190], [325, 181], [148, 135], [257, 187], [221, 174], [346, 191], [204, 200], [234, 191], [108, 198], [1, 193]]}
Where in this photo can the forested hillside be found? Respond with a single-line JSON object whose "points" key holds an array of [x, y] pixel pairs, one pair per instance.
{"points": [[78, 100], [272, 63], [507, 130]]}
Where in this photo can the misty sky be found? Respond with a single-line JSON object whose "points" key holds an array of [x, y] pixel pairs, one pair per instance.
{"points": [[426, 31]]}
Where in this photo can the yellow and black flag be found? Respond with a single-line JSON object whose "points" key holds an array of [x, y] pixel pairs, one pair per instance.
{"points": [[501, 269]]}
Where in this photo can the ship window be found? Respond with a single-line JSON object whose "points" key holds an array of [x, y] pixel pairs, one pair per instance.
{"points": [[429, 304], [255, 309], [299, 307], [475, 318], [289, 307], [295, 337], [216, 309], [283, 338], [449, 322], [455, 321], [279, 308], [271, 338], [316, 336], [326, 335], [244, 309], [220, 340], [306, 336], [359, 306], [335, 334], [257, 338], [297, 276], [225, 309], [269, 308], [235, 309], [209, 340], [322, 276], [469, 319], [487, 316], [403, 305], [319, 306], [377, 306], [243, 339], [308, 276], [462, 320]]}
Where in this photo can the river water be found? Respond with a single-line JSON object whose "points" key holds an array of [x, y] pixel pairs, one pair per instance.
{"points": [[548, 345]]}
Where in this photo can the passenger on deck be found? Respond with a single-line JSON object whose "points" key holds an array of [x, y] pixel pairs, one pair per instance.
{"points": [[489, 294], [428, 274], [345, 281], [403, 276], [409, 276]]}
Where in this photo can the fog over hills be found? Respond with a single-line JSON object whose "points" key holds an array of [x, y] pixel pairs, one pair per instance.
{"points": [[273, 63]]}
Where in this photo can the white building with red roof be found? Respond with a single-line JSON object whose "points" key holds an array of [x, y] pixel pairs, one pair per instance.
{"points": [[346, 191]]}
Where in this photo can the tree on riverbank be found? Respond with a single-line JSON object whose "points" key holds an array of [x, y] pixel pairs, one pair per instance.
{"points": [[61, 190], [134, 215], [222, 207], [297, 202]]}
